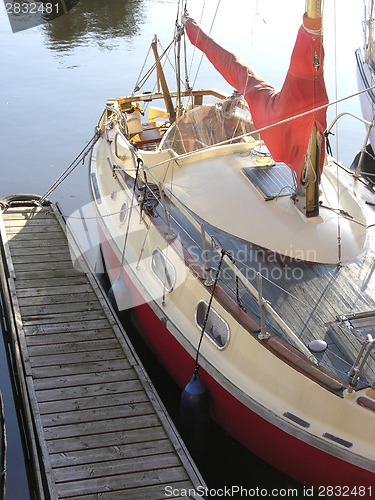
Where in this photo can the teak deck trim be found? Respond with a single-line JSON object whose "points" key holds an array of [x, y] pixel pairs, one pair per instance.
{"points": [[43, 336]]}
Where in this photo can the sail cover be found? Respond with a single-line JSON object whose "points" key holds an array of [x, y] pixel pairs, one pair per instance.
{"points": [[303, 90]]}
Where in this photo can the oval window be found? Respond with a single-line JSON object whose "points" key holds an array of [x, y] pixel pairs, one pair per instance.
{"points": [[216, 328], [123, 212], [163, 269]]}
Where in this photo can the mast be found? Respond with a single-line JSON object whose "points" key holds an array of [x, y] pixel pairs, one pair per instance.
{"points": [[314, 8], [178, 73], [369, 32], [163, 82], [312, 161]]}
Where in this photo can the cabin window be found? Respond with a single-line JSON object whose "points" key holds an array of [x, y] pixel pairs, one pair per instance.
{"points": [[123, 212], [217, 329], [163, 269]]}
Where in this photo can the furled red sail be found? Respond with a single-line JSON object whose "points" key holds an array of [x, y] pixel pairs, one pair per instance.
{"points": [[303, 90]]}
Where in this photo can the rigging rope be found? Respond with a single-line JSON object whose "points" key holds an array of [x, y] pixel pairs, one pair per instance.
{"points": [[136, 86], [209, 33], [142, 81], [339, 251]]}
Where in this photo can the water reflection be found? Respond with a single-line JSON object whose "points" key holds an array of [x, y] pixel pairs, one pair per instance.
{"points": [[96, 21]]}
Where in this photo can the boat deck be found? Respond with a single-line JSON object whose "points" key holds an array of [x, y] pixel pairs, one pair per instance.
{"points": [[329, 302], [97, 427]]}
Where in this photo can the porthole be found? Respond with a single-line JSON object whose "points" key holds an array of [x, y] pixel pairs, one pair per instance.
{"points": [[163, 269], [123, 212], [216, 329]]}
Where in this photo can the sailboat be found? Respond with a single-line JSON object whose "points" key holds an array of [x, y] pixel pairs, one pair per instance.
{"points": [[247, 254]]}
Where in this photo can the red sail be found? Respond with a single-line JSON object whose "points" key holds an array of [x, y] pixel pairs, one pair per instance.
{"points": [[303, 90]]}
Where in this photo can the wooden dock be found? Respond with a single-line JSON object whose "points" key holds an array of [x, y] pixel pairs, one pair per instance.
{"points": [[96, 426]]}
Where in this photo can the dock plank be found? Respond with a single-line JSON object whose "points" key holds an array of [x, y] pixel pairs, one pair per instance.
{"points": [[104, 365], [157, 492], [80, 457], [53, 290], [113, 438], [73, 347], [67, 327], [79, 305], [71, 380], [98, 426], [46, 283], [73, 358], [164, 477], [51, 272], [84, 391], [52, 245], [117, 467], [62, 337], [95, 414], [41, 266], [102, 400], [61, 317]]}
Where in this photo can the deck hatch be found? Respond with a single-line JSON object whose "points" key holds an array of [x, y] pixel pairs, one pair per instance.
{"points": [[271, 181], [361, 324]]}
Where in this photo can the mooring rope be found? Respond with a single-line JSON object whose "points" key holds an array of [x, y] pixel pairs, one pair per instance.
{"points": [[80, 158]]}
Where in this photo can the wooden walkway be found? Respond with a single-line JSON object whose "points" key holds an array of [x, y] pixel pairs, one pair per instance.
{"points": [[96, 426]]}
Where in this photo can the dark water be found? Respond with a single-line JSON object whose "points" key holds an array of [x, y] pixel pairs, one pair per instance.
{"points": [[54, 81]]}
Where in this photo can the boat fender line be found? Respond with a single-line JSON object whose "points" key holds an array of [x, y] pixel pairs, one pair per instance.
{"points": [[223, 253], [194, 404]]}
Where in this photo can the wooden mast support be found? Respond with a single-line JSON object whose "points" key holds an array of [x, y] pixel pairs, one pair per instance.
{"points": [[312, 164], [163, 82]]}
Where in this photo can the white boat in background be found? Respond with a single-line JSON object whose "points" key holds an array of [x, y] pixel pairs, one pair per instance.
{"points": [[365, 58], [257, 276]]}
